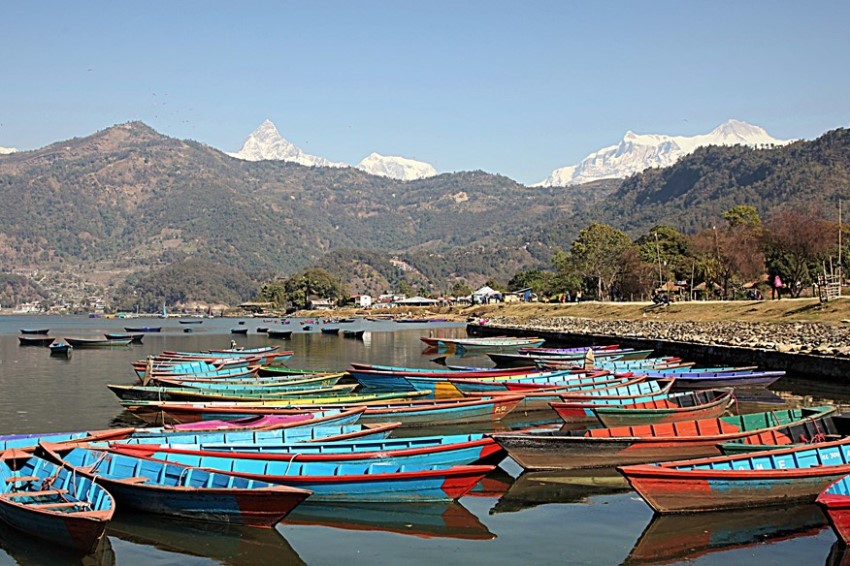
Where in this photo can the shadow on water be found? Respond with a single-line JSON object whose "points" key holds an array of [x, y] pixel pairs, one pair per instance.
{"points": [[25, 550], [674, 538], [228, 544], [423, 520], [567, 486]]}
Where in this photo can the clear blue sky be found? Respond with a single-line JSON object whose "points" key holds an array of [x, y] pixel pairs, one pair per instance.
{"points": [[517, 88]]}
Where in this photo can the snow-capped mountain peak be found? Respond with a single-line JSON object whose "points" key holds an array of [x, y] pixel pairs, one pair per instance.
{"points": [[396, 167], [7, 150], [637, 152], [266, 143]]}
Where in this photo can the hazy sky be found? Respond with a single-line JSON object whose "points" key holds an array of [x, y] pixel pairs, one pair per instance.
{"points": [[517, 88]]}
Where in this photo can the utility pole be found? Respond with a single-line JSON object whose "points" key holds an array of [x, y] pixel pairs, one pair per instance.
{"points": [[840, 270], [658, 254]]}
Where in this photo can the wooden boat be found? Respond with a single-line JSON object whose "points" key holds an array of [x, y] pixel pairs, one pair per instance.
{"points": [[31, 440], [190, 321], [280, 334], [776, 477], [505, 359], [580, 408], [710, 380], [142, 329], [302, 419], [354, 334], [681, 539], [172, 489], [398, 379], [35, 340], [639, 444], [422, 413], [270, 384], [235, 395], [239, 331], [693, 405], [41, 331], [835, 502], [223, 439], [374, 482], [452, 450], [262, 329], [830, 427], [134, 338], [97, 342], [47, 501], [60, 349], [330, 330]]}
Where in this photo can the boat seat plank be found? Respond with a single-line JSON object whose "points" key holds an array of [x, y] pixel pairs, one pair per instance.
{"points": [[58, 505], [15, 479], [34, 493], [134, 479]]}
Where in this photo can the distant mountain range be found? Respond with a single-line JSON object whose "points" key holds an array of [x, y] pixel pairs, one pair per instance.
{"points": [[128, 200], [636, 153], [7, 150], [266, 143]]}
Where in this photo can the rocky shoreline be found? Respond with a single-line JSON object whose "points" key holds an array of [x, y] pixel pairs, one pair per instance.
{"points": [[792, 337]]}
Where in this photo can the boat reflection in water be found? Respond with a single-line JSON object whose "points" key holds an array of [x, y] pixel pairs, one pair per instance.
{"points": [[494, 484], [424, 520], [25, 551], [559, 486], [673, 538], [227, 544], [839, 555]]}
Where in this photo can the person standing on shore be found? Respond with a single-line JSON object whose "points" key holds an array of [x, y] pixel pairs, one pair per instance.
{"points": [[777, 287]]}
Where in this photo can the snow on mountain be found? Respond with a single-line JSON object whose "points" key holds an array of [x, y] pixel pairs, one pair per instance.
{"points": [[266, 143], [637, 152], [396, 167], [7, 150]]}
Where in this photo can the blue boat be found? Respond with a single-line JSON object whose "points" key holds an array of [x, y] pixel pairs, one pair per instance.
{"points": [[49, 502], [376, 482], [776, 477], [60, 348], [171, 489], [265, 437], [143, 329], [452, 450], [30, 440]]}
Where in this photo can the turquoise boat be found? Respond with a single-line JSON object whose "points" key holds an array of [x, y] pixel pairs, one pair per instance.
{"points": [[47, 501], [453, 450], [374, 482], [171, 489]]}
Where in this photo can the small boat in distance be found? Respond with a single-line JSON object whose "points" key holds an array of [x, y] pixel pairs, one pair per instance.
{"points": [[355, 334], [60, 349], [190, 321], [239, 330], [134, 338], [97, 342], [143, 329], [280, 334], [35, 340], [34, 331]]}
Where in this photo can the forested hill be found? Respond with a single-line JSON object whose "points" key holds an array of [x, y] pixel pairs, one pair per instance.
{"points": [[128, 198], [692, 194]]}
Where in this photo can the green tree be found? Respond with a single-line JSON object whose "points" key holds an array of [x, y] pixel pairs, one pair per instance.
{"points": [[596, 256], [797, 241]]}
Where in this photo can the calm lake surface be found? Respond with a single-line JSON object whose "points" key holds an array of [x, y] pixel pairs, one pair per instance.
{"points": [[543, 518]]}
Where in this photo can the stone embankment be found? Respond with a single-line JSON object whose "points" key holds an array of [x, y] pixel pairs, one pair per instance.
{"points": [[789, 337]]}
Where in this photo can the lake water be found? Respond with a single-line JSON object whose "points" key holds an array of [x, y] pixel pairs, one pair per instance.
{"points": [[543, 518]]}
